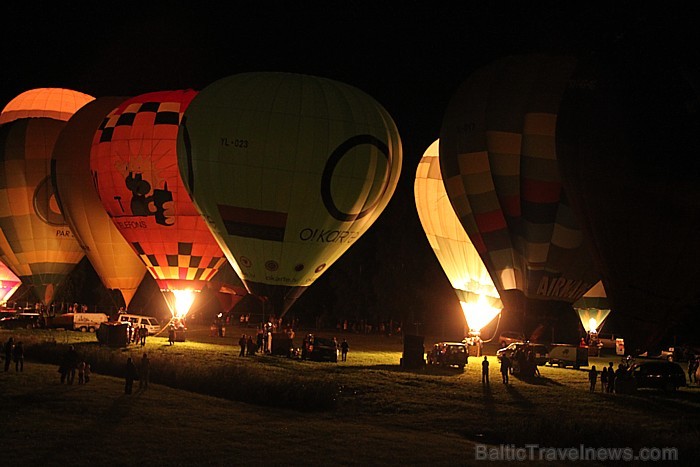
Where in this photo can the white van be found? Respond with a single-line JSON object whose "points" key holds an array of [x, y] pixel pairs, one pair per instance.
{"points": [[137, 321]]}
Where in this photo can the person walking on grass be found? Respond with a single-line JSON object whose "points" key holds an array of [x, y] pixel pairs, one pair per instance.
{"points": [[18, 356], [129, 376], [171, 335], [485, 371], [144, 371]]}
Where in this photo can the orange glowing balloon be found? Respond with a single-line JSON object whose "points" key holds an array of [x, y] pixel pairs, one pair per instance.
{"points": [[109, 253], [56, 103], [135, 170], [9, 283]]}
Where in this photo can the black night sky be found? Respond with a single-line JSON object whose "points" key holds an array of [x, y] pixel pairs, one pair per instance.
{"points": [[410, 56]]}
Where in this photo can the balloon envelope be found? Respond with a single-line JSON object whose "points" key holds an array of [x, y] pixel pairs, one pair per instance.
{"points": [[593, 308], [113, 259], [56, 103], [289, 171], [135, 169], [35, 241], [9, 283], [498, 160], [459, 259]]}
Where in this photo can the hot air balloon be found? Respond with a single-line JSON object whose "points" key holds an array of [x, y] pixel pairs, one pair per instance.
{"points": [[628, 140], [9, 283], [112, 257], [498, 160], [289, 170], [593, 308], [35, 241], [56, 103], [459, 259], [134, 168]]}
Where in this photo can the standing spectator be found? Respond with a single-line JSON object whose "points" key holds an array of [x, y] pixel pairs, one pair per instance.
{"points": [[9, 348], [130, 376], [18, 356], [259, 339], [70, 362], [250, 346], [143, 331], [242, 343], [593, 377], [505, 368], [692, 367], [620, 377], [344, 347], [604, 379], [611, 377], [144, 371], [81, 373], [171, 335], [485, 371], [87, 372]]}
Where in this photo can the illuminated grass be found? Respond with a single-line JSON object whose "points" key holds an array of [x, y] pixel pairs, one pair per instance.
{"points": [[384, 413]]}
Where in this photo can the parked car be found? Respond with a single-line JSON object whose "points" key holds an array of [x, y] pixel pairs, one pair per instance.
{"points": [[21, 320], [668, 376], [508, 337], [319, 349], [137, 321], [448, 354]]}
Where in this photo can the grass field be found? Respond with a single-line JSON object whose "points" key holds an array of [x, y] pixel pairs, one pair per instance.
{"points": [[370, 410]]}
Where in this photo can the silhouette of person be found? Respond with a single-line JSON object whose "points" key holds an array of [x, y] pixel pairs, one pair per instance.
{"points": [[505, 368], [242, 342], [144, 371], [485, 371], [611, 377], [71, 365], [593, 377], [18, 356], [344, 347], [250, 346], [81, 373], [143, 334], [129, 376], [604, 379], [171, 335]]}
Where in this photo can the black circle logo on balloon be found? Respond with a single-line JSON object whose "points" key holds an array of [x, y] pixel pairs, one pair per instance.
{"points": [[272, 265], [332, 163], [44, 199]]}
